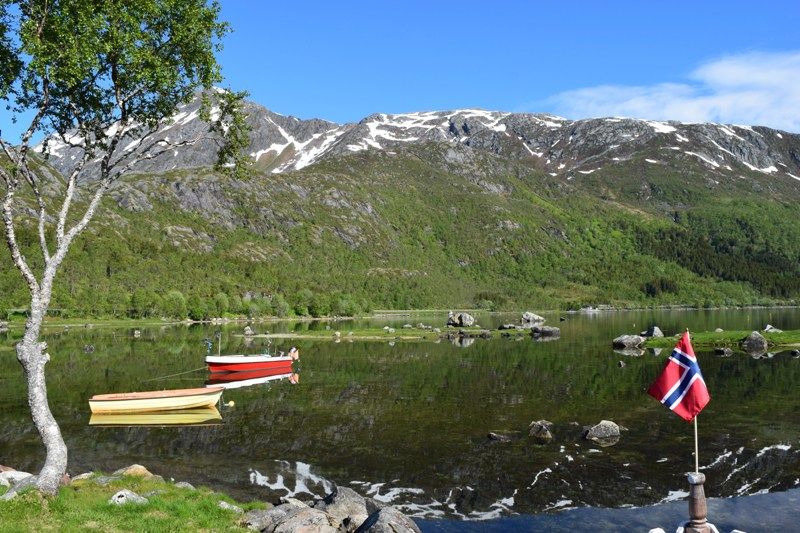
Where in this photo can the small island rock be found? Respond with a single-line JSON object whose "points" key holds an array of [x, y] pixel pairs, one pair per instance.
{"points": [[628, 341], [755, 343]]}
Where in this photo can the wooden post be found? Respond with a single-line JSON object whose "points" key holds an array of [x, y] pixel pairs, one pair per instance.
{"points": [[698, 512]]}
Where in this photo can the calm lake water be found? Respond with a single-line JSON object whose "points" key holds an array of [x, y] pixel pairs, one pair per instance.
{"points": [[407, 423]]}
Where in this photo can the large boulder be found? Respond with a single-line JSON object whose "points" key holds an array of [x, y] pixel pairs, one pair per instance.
{"points": [[307, 519], [540, 430], [628, 341], [652, 331], [261, 520], [755, 343], [345, 505], [606, 433], [528, 316], [460, 320], [388, 520]]}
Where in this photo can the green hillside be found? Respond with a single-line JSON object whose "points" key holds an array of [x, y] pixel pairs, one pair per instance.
{"points": [[430, 225]]}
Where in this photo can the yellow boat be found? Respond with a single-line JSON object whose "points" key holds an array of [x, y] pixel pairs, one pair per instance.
{"points": [[154, 401], [202, 416]]}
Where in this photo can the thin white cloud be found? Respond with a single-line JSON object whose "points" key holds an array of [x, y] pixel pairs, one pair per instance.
{"points": [[753, 88]]}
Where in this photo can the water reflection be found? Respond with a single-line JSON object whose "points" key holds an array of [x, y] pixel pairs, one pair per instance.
{"points": [[204, 416], [237, 380]]}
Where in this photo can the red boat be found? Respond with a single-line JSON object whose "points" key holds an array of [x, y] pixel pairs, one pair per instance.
{"points": [[238, 363]]}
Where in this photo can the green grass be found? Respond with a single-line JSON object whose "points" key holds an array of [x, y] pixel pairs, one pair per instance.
{"points": [[709, 339], [83, 506]]}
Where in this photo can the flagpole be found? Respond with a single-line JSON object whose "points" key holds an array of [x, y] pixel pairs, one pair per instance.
{"points": [[696, 454]]}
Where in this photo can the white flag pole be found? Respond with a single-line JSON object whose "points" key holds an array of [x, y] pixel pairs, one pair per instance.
{"points": [[696, 455]]}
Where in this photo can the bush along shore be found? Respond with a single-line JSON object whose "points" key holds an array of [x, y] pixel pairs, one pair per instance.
{"points": [[134, 499], [770, 339]]}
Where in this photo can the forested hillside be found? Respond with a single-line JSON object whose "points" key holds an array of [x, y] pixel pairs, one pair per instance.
{"points": [[432, 224]]}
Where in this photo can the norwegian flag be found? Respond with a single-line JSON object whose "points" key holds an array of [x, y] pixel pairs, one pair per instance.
{"points": [[680, 385]]}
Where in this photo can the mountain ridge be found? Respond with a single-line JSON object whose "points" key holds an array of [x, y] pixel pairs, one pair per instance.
{"points": [[282, 143]]}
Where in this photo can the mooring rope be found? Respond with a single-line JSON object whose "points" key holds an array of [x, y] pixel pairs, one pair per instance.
{"points": [[174, 375]]}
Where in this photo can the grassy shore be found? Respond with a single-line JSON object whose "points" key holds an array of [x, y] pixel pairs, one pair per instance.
{"points": [[731, 339], [83, 506]]}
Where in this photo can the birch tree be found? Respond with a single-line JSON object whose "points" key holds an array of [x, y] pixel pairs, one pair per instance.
{"points": [[88, 73]]}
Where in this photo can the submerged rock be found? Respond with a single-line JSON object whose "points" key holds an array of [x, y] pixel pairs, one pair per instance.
{"points": [[755, 343], [628, 341]]}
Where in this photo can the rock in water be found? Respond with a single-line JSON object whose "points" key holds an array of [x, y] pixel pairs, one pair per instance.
{"points": [[388, 520], [545, 331], [126, 496], [652, 331], [540, 430], [755, 343], [718, 330], [628, 341], [460, 320], [527, 316], [772, 329], [725, 352], [606, 433]]}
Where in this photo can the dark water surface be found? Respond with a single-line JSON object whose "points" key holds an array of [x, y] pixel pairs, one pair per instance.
{"points": [[407, 423]]}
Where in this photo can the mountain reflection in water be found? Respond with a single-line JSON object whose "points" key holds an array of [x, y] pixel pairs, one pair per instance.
{"points": [[407, 423]]}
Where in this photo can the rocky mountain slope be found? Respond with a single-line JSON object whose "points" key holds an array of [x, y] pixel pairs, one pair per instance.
{"points": [[448, 209], [561, 147]]}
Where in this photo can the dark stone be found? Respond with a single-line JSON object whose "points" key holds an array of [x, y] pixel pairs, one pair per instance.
{"points": [[540, 430], [755, 343], [345, 505], [545, 331], [725, 351], [652, 331]]}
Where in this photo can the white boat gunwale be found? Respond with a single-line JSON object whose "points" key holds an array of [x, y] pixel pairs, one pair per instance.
{"points": [[228, 359]]}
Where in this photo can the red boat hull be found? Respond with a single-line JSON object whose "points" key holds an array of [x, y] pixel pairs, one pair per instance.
{"points": [[238, 363]]}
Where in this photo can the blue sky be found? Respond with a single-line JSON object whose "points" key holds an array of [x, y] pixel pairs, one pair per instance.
{"points": [[344, 60], [695, 61]]}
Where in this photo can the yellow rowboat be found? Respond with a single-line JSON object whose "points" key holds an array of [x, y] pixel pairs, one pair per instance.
{"points": [[153, 401], [202, 416]]}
